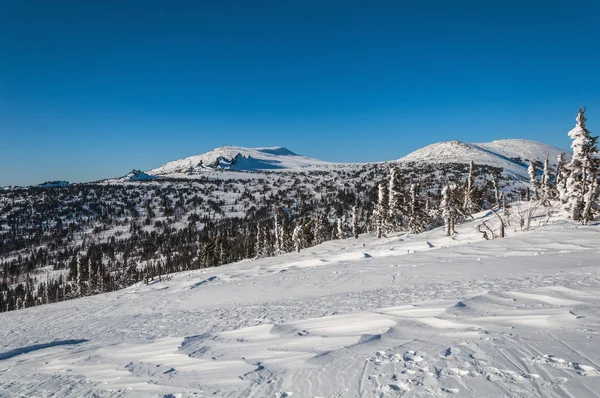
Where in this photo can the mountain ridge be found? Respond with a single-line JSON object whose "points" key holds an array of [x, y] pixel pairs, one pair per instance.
{"points": [[513, 155], [238, 158]]}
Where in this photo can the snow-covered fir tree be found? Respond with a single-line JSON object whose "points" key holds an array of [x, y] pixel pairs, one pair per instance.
{"points": [[448, 208], [320, 230], [591, 201], [381, 212], [297, 237], [562, 175], [278, 228], [396, 200], [469, 192], [533, 182], [81, 288], [222, 249], [583, 169], [340, 233], [355, 221], [100, 282], [286, 235], [92, 277], [261, 247], [43, 293], [548, 191], [417, 221]]}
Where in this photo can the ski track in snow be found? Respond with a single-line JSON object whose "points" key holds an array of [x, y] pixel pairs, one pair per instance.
{"points": [[414, 316]]}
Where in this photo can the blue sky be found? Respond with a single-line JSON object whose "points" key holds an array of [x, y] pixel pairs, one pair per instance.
{"points": [[93, 89]]}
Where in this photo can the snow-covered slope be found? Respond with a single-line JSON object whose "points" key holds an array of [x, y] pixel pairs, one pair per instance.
{"points": [[514, 155], [241, 159], [410, 315], [135, 175]]}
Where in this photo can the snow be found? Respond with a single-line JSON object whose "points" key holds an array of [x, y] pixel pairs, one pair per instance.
{"points": [[239, 159], [407, 315], [137, 175], [514, 155]]}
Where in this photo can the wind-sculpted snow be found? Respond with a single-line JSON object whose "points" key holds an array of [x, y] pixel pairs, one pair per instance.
{"points": [[408, 315]]}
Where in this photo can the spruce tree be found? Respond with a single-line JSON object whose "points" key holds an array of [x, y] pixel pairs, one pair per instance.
{"points": [[533, 181], [278, 227], [381, 211], [43, 293], [548, 191], [396, 211], [355, 221], [81, 288], [448, 209], [591, 200], [259, 248], [267, 243], [91, 273], [286, 235], [320, 229], [417, 218], [562, 175], [583, 169], [340, 234], [297, 237], [469, 191], [308, 233]]}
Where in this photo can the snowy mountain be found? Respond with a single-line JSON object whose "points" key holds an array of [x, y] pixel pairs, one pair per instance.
{"points": [[239, 159], [408, 315], [513, 155]]}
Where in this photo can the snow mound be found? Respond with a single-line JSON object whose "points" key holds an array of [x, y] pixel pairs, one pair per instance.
{"points": [[240, 159]]}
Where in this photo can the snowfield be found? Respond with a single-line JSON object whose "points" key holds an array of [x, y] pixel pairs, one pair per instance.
{"points": [[407, 315]]}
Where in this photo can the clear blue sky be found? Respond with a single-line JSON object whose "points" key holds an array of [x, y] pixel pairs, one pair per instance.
{"points": [[94, 88]]}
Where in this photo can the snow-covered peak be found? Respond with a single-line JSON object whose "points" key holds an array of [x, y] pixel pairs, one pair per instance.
{"points": [[513, 155], [239, 158]]}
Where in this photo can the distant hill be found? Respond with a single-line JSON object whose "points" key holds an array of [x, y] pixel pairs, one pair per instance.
{"points": [[239, 159], [513, 155]]}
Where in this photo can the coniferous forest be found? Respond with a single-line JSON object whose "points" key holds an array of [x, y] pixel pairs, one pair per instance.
{"points": [[60, 241]]}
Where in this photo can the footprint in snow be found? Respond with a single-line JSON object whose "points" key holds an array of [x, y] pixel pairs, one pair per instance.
{"points": [[559, 363]]}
